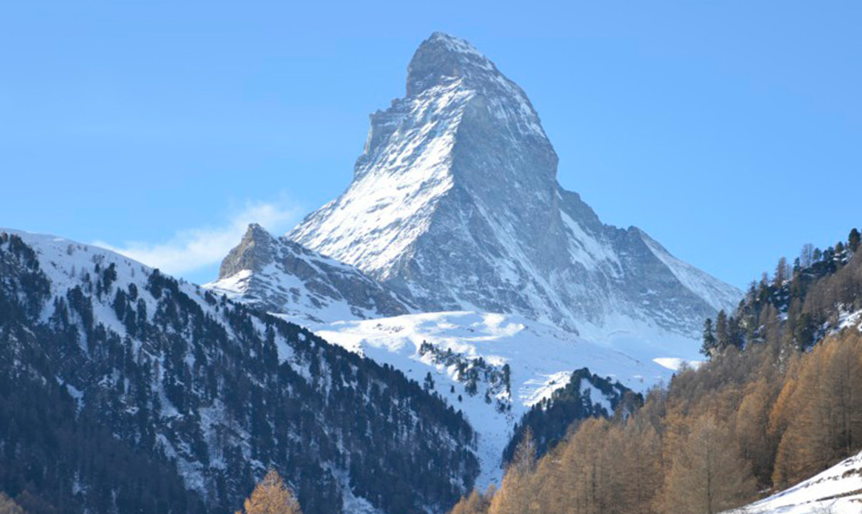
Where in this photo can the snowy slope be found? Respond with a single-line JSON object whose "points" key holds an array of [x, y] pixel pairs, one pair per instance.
{"points": [[455, 205], [456, 211], [210, 373], [281, 276], [541, 359], [838, 490]]}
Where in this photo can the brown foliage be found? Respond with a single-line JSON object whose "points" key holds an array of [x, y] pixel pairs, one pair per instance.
{"points": [[271, 496], [8, 506], [765, 417]]}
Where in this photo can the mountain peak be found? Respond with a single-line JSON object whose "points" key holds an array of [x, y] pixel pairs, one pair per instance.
{"points": [[253, 252], [455, 204], [442, 59]]}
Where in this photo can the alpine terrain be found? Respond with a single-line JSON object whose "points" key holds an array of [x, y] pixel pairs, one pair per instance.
{"points": [[125, 390], [456, 257], [455, 204]]}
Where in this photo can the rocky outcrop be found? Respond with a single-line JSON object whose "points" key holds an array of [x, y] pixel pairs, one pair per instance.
{"points": [[279, 275]]}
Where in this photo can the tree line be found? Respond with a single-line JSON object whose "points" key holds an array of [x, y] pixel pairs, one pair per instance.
{"points": [[760, 415]]}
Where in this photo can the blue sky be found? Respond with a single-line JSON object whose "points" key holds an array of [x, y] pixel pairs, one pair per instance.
{"points": [[730, 131]]}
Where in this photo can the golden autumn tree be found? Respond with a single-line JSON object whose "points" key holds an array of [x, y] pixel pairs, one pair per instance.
{"points": [[271, 496], [822, 411], [475, 503], [757, 444], [8, 506], [708, 474], [640, 473], [514, 496]]}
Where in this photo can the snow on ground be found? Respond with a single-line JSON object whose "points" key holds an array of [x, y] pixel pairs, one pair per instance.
{"points": [[850, 319], [541, 358], [838, 490]]}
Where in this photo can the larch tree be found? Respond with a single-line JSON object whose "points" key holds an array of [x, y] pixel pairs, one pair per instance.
{"points": [[708, 475], [640, 474], [824, 410], [271, 496], [756, 443], [514, 496], [8, 505], [475, 503]]}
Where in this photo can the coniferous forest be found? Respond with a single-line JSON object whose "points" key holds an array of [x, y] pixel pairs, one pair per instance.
{"points": [[778, 400], [133, 392]]}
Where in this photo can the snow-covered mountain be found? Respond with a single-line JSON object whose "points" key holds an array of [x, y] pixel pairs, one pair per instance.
{"points": [[455, 204], [350, 309], [455, 247], [512, 363], [279, 275], [207, 392]]}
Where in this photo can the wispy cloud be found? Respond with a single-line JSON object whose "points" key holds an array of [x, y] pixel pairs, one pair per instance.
{"points": [[194, 249]]}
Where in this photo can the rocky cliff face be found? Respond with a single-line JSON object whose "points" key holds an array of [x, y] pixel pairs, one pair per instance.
{"points": [[279, 275], [455, 204]]}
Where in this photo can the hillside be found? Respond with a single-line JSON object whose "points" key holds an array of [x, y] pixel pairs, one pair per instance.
{"points": [[186, 398], [455, 244], [838, 490], [492, 367], [771, 408]]}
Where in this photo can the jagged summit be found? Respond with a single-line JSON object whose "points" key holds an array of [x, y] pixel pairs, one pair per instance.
{"points": [[254, 252], [455, 204], [282, 276], [442, 59]]}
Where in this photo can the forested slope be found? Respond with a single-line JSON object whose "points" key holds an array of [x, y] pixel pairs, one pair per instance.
{"points": [[124, 390], [779, 400]]}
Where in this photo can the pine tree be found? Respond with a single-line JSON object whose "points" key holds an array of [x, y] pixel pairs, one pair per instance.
{"points": [[271, 496], [853, 240], [429, 382], [708, 338], [722, 335]]}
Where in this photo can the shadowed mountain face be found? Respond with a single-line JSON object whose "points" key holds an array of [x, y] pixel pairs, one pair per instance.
{"points": [[455, 204]]}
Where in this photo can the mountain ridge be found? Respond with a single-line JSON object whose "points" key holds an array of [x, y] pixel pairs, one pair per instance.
{"points": [[455, 204], [211, 389], [279, 275]]}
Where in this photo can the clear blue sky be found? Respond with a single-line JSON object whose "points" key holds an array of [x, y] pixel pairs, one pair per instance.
{"points": [[730, 131]]}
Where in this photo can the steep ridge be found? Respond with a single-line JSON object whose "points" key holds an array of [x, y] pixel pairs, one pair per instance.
{"points": [[196, 386], [455, 211], [278, 275], [455, 204]]}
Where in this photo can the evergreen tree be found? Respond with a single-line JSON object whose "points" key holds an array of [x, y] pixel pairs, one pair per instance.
{"points": [[709, 343], [722, 335], [853, 240]]}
